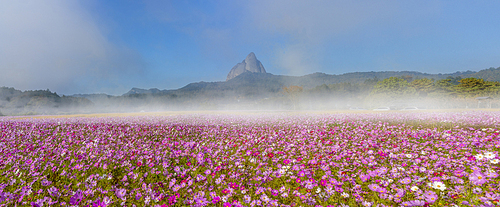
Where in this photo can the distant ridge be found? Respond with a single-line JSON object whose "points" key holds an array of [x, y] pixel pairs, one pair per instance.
{"points": [[142, 91], [271, 82], [244, 91]]}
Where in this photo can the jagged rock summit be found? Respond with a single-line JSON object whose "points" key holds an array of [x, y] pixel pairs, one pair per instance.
{"points": [[249, 64]]}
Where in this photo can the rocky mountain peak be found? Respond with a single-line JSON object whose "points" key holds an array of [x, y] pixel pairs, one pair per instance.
{"points": [[250, 57], [249, 64]]}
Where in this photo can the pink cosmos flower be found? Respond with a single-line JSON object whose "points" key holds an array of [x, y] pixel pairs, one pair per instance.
{"points": [[364, 177], [491, 174], [477, 178], [430, 196], [406, 181]]}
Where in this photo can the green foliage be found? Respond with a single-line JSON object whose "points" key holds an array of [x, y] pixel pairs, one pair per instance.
{"points": [[472, 87], [444, 85], [393, 87], [423, 86], [117, 175], [454, 80]]}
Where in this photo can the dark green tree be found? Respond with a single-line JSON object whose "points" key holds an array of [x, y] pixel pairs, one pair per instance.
{"points": [[393, 87], [470, 87], [423, 86]]}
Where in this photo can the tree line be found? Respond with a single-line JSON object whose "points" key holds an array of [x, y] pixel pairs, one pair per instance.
{"points": [[466, 88], [451, 92]]}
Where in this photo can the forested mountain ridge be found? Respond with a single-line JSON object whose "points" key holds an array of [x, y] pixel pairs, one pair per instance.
{"points": [[250, 90], [490, 74], [14, 101], [273, 82]]}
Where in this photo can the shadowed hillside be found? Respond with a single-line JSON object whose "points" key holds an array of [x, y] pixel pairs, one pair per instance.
{"points": [[265, 91], [14, 101]]}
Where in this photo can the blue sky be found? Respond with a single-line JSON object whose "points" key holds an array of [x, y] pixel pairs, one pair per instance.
{"points": [[93, 46]]}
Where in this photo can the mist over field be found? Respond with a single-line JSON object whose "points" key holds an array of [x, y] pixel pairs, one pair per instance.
{"points": [[252, 159]]}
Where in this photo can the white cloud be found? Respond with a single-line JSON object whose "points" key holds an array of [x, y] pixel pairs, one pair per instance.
{"points": [[55, 44]]}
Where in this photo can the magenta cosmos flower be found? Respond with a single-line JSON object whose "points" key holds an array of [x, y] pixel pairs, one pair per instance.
{"points": [[98, 203], [286, 161], [216, 199]]}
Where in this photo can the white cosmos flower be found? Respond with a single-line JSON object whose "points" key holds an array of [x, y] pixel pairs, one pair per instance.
{"points": [[284, 169], [494, 161], [489, 155], [414, 188], [318, 190], [345, 195], [479, 156], [408, 155], [438, 185], [422, 169]]}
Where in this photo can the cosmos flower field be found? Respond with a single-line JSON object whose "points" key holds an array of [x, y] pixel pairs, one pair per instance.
{"points": [[372, 159]]}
